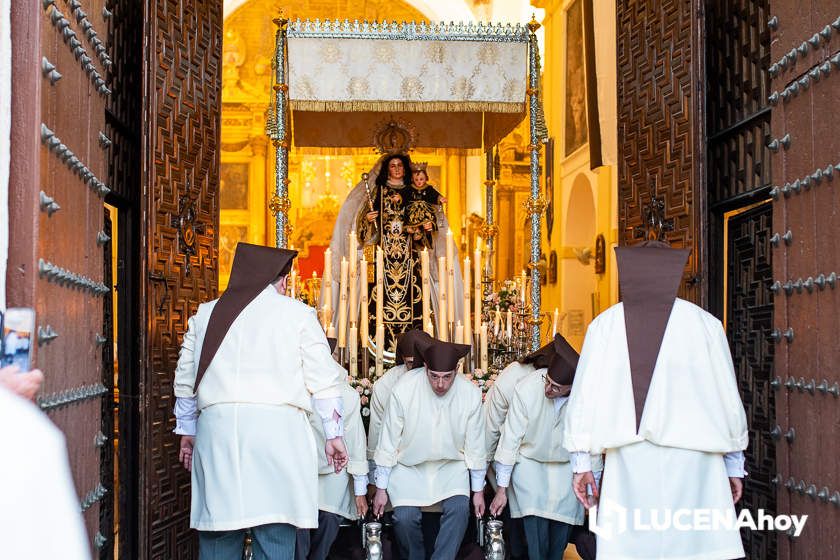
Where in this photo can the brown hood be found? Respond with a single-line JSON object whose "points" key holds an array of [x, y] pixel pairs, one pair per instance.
{"points": [[442, 356], [541, 358], [407, 345], [649, 277], [254, 268], [562, 368]]}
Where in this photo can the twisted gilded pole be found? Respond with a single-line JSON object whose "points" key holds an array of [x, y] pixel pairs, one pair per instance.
{"points": [[279, 134], [490, 229], [536, 204]]}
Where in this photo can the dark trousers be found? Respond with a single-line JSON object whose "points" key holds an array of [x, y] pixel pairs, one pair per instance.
{"points": [[547, 539], [453, 523], [315, 544], [275, 541]]}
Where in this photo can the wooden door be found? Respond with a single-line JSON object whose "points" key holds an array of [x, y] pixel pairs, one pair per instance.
{"points": [[180, 165], [805, 67], [59, 180]]}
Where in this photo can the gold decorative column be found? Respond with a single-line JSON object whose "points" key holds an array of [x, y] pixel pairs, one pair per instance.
{"points": [[278, 131], [489, 229]]}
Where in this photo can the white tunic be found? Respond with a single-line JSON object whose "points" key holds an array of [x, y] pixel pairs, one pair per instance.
{"points": [[693, 415], [378, 401], [532, 440], [497, 401], [335, 491], [253, 428], [430, 442]]}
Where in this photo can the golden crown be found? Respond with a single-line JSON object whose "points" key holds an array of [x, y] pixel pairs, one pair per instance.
{"points": [[419, 166]]}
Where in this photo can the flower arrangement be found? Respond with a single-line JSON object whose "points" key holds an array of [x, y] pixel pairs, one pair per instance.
{"points": [[483, 380], [364, 387]]}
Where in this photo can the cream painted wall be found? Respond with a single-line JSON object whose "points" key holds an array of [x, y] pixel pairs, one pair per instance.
{"points": [[585, 200]]}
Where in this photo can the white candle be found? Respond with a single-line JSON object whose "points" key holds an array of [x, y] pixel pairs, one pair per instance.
{"points": [[497, 322], [450, 278], [331, 331], [380, 350], [524, 286], [478, 294], [467, 302], [425, 282], [483, 344], [342, 305], [555, 322], [443, 333], [326, 280], [353, 282], [354, 354], [459, 333], [380, 287], [325, 318], [509, 324], [293, 284], [363, 304]]}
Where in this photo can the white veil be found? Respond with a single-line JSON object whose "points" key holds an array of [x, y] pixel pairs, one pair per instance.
{"points": [[345, 223]]}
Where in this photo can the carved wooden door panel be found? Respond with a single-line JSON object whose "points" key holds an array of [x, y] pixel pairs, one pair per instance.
{"points": [[805, 67], [58, 183], [182, 97]]}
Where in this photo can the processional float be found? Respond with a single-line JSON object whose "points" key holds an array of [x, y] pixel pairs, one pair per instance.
{"points": [[476, 84]]}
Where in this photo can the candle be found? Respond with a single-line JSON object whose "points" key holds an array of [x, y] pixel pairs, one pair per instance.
{"points": [[325, 318], [450, 278], [353, 275], [293, 284], [524, 286], [380, 350], [478, 294], [555, 322], [331, 331], [467, 306], [459, 333], [342, 305], [380, 286], [497, 322], [354, 354], [429, 328], [363, 303], [326, 280], [509, 324], [425, 282], [352, 253], [483, 343], [442, 307]]}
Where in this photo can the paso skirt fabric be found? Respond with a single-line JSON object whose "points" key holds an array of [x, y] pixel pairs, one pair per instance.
{"points": [[252, 465], [644, 487]]}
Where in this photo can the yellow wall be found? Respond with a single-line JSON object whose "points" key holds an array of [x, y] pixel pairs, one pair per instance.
{"points": [[585, 199]]}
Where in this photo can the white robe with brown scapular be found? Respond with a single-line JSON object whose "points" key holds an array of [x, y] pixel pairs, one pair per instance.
{"points": [[335, 490], [532, 441], [254, 460], [430, 442], [379, 397], [692, 417]]}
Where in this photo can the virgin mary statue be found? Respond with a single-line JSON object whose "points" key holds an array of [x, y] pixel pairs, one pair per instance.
{"points": [[376, 210]]}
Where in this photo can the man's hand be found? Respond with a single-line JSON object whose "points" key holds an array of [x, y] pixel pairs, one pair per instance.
{"points": [[579, 484], [362, 506], [185, 453], [371, 216], [336, 453], [499, 502], [737, 486], [380, 499], [478, 503], [24, 385]]}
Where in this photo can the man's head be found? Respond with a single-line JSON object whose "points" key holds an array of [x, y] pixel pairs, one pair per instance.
{"points": [[407, 347], [561, 371], [441, 359]]}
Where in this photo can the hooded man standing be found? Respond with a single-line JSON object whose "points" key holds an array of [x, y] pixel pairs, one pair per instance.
{"points": [[655, 389], [252, 365], [431, 451], [531, 445]]}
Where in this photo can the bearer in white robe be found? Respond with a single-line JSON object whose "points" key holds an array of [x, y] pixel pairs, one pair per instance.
{"points": [[495, 409], [531, 446], [655, 389], [340, 495], [253, 365], [431, 451], [406, 357]]}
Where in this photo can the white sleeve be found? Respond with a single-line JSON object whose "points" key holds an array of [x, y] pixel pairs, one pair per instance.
{"points": [[503, 473], [581, 462], [360, 484], [184, 383], [321, 374], [381, 477], [477, 477], [186, 413], [734, 461], [331, 410]]}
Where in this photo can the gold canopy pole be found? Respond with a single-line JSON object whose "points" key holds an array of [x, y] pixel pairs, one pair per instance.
{"points": [[279, 134], [536, 204]]}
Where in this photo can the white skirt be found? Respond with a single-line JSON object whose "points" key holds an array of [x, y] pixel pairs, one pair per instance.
{"points": [[252, 465], [642, 477], [544, 490]]}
